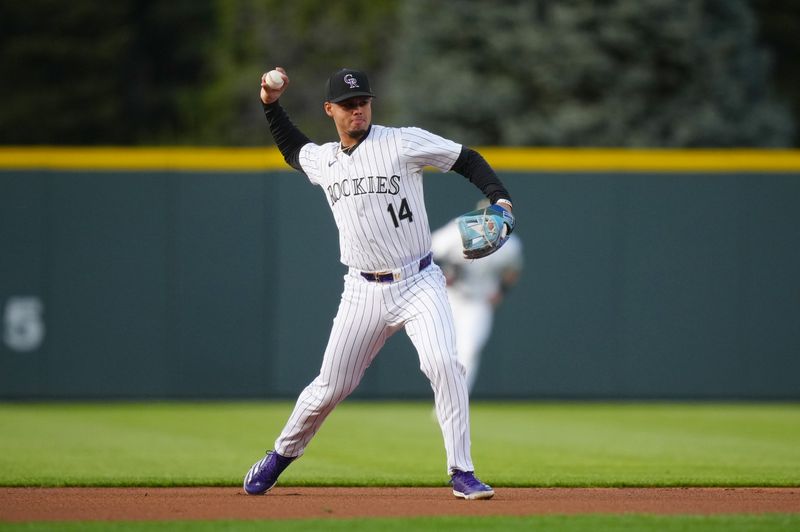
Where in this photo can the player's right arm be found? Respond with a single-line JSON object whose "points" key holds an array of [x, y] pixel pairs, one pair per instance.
{"points": [[289, 139]]}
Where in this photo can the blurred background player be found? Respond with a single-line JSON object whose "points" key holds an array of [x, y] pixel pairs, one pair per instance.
{"points": [[475, 289]]}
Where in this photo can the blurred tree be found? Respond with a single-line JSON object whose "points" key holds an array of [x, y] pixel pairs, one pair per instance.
{"points": [[56, 63], [178, 71], [573, 73], [779, 23], [93, 72], [167, 62], [311, 39], [657, 73]]}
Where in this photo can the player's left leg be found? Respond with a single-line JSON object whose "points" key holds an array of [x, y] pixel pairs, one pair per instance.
{"points": [[423, 307], [429, 324]]}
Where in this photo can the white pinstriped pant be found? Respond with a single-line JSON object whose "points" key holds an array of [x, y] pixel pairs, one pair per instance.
{"points": [[369, 313]]}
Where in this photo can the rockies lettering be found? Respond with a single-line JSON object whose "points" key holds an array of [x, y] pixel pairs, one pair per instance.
{"points": [[376, 193], [363, 185]]}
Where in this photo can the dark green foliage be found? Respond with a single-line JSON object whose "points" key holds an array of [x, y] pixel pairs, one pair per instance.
{"points": [[92, 72], [572, 73], [575, 73], [174, 72], [312, 39], [779, 30], [57, 63]]}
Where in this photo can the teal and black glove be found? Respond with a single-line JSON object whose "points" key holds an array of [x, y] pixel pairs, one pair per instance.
{"points": [[484, 231]]}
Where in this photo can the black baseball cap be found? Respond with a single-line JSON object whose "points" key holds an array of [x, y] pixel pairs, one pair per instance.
{"points": [[345, 84]]}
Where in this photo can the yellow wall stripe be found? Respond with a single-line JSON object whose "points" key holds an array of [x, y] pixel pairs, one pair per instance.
{"points": [[511, 159], [631, 160], [61, 158]]}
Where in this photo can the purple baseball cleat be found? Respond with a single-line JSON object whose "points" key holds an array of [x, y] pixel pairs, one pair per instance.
{"points": [[467, 486], [264, 473]]}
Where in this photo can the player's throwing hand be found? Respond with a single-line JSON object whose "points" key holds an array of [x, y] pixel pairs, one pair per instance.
{"points": [[269, 91]]}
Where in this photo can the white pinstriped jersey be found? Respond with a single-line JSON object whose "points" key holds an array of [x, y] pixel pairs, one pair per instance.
{"points": [[376, 193]]}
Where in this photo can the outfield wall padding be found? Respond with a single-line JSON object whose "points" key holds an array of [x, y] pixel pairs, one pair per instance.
{"points": [[223, 284]]}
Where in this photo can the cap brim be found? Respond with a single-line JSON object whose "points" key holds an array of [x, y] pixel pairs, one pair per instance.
{"points": [[350, 95]]}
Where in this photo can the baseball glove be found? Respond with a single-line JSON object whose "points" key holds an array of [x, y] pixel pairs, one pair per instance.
{"points": [[484, 231]]}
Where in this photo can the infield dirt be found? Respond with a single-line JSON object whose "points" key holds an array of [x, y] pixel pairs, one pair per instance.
{"points": [[113, 504]]}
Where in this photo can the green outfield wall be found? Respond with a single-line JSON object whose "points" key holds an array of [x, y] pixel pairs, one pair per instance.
{"points": [[158, 273]]}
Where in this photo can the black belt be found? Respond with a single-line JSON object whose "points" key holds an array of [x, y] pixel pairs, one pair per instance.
{"points": [[388, 277]]}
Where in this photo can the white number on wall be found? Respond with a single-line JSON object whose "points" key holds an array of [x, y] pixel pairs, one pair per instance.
{"points": [[23, 325]]}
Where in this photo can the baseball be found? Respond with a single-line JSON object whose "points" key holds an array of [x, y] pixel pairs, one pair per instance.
{"points": [[274, 79]]}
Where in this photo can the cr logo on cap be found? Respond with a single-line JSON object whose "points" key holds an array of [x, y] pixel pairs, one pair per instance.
{"points": [[351, 81]]}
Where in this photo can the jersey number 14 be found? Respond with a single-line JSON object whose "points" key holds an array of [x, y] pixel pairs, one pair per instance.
{"points": [[403, 214]]}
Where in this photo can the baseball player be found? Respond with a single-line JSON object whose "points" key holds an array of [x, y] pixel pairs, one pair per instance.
{"points": [[372, 181], [475, 288]]}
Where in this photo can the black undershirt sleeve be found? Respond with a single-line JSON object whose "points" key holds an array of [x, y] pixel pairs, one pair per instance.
{"points": [[287, 137], [474, 167]]}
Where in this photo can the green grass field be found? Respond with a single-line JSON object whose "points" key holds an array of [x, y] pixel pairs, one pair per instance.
{"points": [[378, 444], [547, 523], [391, 443]]}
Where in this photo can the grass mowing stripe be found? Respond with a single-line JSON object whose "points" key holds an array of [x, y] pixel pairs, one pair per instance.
{"points": [[555, 523], [390, 443]]}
